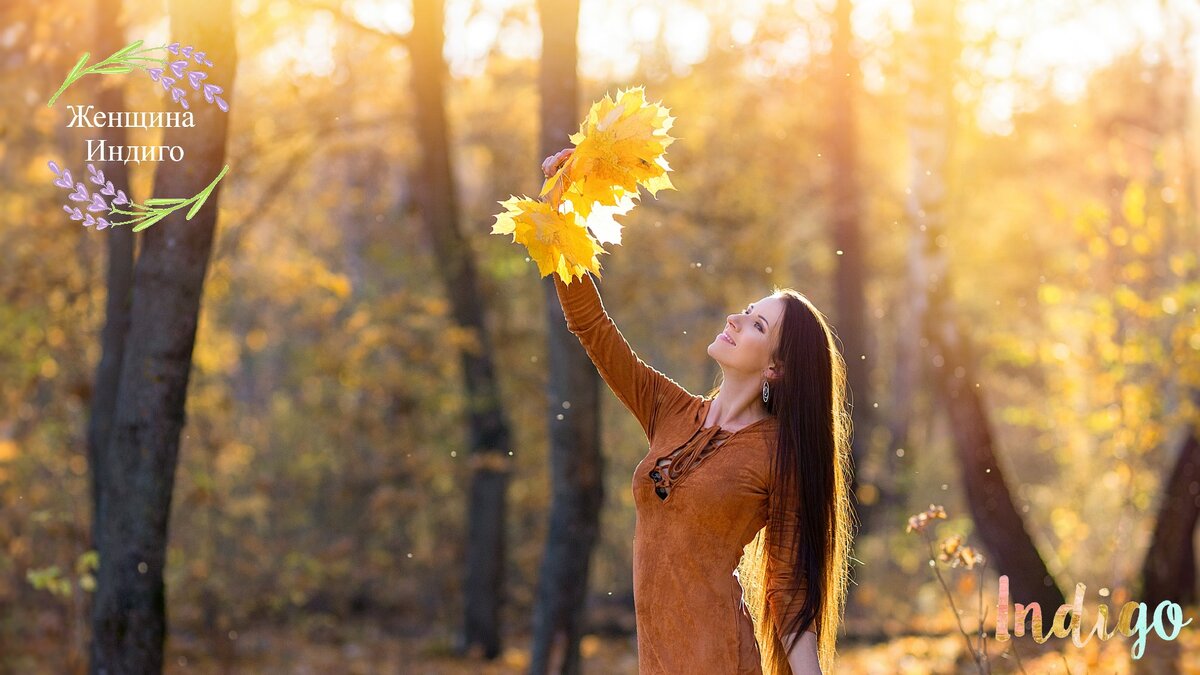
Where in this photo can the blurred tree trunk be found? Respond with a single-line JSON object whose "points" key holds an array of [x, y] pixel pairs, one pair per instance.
{"points": [[488, 429], [576, 466], [110, 95], [850, 273], [1169, 569], [904, 385], [137, 478], [955, 372]]}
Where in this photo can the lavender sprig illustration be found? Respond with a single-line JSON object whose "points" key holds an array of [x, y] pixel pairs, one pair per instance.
{"points": [[164, 71], [179, 68], [140, 216]]}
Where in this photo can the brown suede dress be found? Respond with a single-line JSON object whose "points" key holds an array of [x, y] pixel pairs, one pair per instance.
{"points": [[700, 495]]}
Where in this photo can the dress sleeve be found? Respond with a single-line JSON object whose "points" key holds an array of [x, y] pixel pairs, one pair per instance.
{"points": [[638, 386], [786, 590]]}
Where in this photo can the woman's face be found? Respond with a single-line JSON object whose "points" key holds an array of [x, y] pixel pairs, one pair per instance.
{"points": [[749, 337]]}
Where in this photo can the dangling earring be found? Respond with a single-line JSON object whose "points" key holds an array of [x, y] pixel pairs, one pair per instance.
{"points": [[766, 391]]}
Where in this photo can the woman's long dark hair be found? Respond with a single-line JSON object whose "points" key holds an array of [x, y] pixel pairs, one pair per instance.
{"points": [[810, 490]]}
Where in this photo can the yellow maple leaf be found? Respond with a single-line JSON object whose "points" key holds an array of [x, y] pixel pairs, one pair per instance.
{"points": [[619, 148], [556, 241], [620, 145]]}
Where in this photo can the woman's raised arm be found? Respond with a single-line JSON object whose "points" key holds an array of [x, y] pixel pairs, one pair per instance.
{"points": [[638, 386]]}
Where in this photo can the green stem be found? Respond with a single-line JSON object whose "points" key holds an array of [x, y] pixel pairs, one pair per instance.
{"points": [[157, 214], [71, 77], [196, 201], [119, 57], [213, 184], [127, 222]]}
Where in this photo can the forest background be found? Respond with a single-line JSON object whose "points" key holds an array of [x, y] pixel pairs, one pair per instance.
{"points": [[392, 455]]}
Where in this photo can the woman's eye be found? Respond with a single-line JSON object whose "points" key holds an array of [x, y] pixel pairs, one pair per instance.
{"points": [[757, 324]]}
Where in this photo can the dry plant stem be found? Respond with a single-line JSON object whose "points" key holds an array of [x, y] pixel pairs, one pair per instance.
{"points": [[950, 597], [1012, 647], [982, 633]]}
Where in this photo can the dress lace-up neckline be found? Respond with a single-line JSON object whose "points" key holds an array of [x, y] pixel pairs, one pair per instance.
{"points": [[671, 468]]}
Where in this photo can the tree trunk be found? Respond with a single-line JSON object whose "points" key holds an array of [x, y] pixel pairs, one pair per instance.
{"points": [[137, 478], [997, 520], [576, 467], [904, 385], [851, 267], [490, 443], [110, 95], [954, 370], [1169, 569]]}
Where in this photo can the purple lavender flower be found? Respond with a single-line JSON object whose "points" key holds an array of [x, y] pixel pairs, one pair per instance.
{"points": [[187, 51], [100, 222], [80, 194], [210, 95], [92, 202], [194, 77], [97, 175], [97, 203]]}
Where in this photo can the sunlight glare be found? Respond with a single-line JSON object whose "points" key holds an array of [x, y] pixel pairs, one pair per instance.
{"points": [[307, 50], [385, 15]]}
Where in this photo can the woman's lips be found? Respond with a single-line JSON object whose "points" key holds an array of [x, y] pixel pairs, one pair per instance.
{"points": [[723, 336]]}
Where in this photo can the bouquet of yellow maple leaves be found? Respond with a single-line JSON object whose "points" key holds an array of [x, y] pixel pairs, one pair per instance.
{"points": [[620, 145]]}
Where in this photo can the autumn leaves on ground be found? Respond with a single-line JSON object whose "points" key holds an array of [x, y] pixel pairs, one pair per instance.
{"points": [[335, 418]]}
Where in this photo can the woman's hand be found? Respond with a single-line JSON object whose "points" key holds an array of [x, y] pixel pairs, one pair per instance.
{"points": [[550, 166], [553, 163], [803, 657]]}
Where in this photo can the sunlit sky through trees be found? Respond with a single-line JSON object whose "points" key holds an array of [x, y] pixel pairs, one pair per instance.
{"points": [[1043, 45]]}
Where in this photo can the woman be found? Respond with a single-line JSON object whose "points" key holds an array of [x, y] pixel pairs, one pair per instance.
{"points": [[749, 484]]}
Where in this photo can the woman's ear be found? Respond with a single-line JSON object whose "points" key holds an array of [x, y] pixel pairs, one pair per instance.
{"points": [[774, 371]]}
